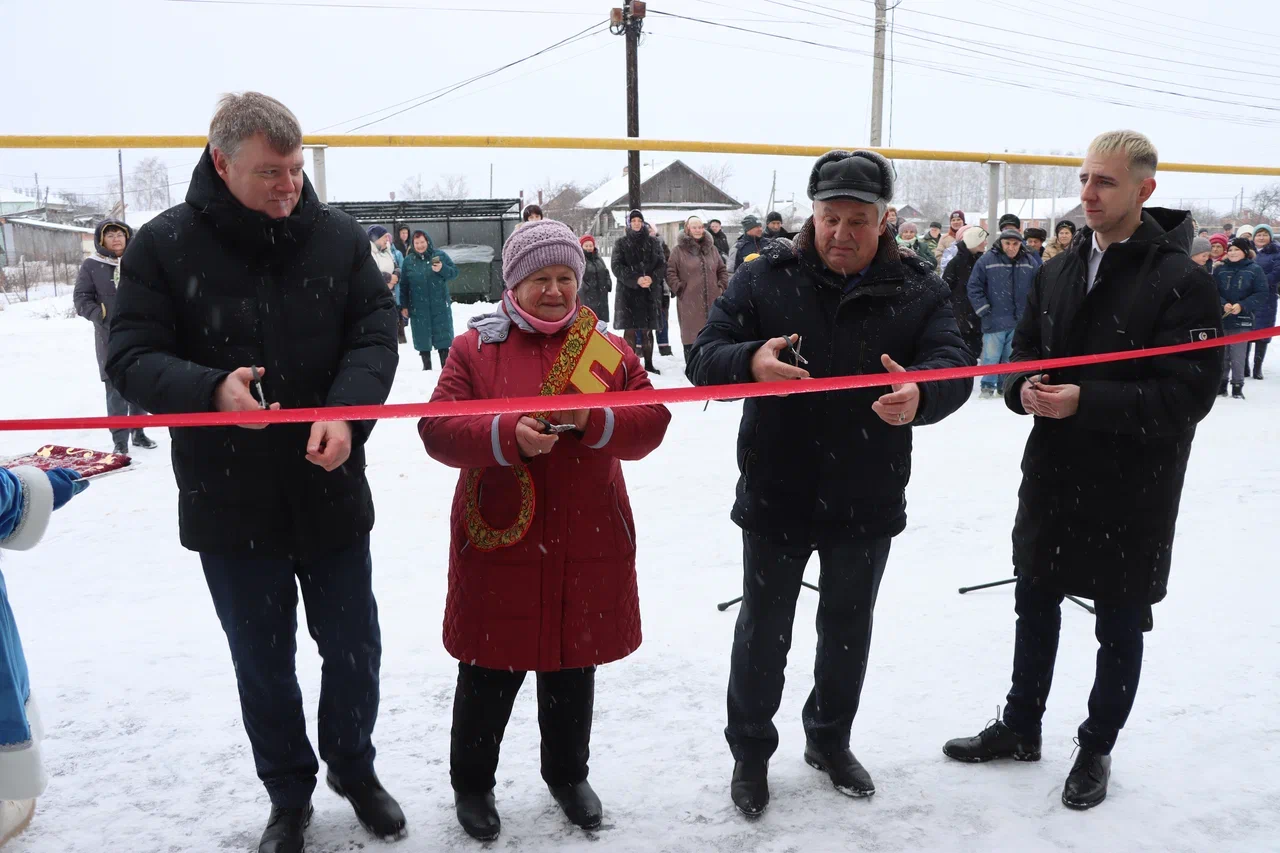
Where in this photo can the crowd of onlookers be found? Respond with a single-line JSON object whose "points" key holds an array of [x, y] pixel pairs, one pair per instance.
{"points": [[989, 279]]}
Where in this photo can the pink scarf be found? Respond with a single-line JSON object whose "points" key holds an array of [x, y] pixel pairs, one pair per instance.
{"points": [[546, 327]]}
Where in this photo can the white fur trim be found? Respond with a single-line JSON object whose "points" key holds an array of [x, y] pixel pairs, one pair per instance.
{"points": [[14, 817], [37, 506], [22, 774]]}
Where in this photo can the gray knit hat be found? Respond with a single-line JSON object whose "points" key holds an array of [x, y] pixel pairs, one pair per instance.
{"points": [[1199, 246], [539, 244]]}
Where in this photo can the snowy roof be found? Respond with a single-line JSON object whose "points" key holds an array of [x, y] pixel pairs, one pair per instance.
{"points": [[612, 190], [15, 197], [49, 226], [665, 215]]}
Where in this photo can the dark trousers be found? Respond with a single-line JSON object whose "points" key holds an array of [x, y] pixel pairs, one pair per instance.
{"points": [[118, 406], [1118, 628], [482, 706], [664, 321], [1259, 350], [772, 572], [257, 603]]}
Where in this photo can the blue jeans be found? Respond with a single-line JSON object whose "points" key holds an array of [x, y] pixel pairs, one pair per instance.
{"points": [[997, 347], [257, 602]]}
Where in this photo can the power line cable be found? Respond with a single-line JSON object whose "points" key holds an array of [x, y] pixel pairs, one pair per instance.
{"points": [[365, 7], [1109, 51], [1076, 94], [908, 32], [1215, 93], [436, 94]]}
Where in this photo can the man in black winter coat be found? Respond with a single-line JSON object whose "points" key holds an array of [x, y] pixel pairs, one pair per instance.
{"points": [[720, 238], [1104, 464], [254, 277], [823, 472], [95, 300]]}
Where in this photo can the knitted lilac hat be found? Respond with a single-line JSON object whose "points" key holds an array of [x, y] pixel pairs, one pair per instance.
{"points": [[540, 244]]}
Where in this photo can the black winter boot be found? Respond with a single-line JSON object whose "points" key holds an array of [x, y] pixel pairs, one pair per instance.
{"points": [[847, 773], [426, 359], [444, 356], [140, 439], [664, 349], [648, 355], [579, 803], [995, 741], [1257, 368], [376, 810], [1087, 782], [121, 448], [1222, 389], [286, 830], [1237, 391], [750, 787], [478, 815]]}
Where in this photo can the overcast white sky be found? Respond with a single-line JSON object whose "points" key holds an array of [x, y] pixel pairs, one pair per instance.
{"points": [[972, 75]]}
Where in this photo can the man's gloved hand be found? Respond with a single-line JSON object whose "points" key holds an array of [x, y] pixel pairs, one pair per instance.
{"points": [[66, 485]]}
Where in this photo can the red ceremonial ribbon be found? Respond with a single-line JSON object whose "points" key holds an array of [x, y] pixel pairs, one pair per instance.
{"points": [[614, 399]]}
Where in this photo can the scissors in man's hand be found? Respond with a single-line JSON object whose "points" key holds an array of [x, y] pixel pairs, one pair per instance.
{"points": [[257, 388]]}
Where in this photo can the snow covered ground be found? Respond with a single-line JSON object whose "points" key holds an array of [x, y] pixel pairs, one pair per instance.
{"points": [[146, 750]]}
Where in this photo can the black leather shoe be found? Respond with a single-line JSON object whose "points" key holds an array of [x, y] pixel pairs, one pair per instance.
{"points": [[376, 810], [1087, 782], [750, 788], [995, 741], [847, 773], [478, 815], [286, 830], [140, 439], [579, 803]]}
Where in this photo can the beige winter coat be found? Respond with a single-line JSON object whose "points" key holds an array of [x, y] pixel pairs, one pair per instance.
{"points": [[696, 275]]}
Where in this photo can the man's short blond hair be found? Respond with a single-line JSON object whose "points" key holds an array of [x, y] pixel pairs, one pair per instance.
{"points": [[1141, 153]]}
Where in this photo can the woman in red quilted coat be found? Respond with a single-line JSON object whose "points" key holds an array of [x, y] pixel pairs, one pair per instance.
{"points": [[542, 556]]}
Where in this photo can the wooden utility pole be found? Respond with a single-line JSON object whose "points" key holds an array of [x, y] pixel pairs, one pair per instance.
{"points": [[628, 21], [877, 77]]}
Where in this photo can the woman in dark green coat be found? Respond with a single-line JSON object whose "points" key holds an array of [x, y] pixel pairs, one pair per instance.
{"points": [[425, 299]]}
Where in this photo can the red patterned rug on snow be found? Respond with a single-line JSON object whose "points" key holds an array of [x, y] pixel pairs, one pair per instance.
{"points": [[88, 463]]}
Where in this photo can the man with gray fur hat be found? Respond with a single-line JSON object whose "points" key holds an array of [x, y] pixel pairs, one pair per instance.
{"points": [[823, 472]]}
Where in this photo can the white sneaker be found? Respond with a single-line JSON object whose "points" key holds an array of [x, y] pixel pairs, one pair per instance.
{"points": [[14, 817]]}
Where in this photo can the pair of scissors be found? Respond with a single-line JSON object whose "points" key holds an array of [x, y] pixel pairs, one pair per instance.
{"points": [[256, 385]]}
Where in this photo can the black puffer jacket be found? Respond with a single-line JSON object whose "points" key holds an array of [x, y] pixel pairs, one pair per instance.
{"points": [[823, 468], [1100, 490], [210, 286]]}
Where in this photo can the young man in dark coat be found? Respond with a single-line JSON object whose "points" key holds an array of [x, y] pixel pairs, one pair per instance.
{"points": [[823, 472], [751, 242], [1104, 464], [95, 300], [774, 228], [721, 239], [254, 277]]}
